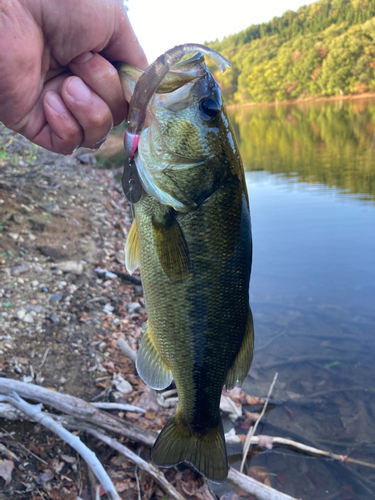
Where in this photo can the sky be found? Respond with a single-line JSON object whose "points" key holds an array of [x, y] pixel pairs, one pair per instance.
{"points": [[162, 24]]}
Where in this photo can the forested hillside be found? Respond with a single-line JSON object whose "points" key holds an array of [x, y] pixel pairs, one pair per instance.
{"points": [[324, 49]]}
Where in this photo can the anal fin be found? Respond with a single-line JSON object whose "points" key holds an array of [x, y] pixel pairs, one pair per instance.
{"points": [[132, 249], [241, 365], [150, 366], [171, 246]]}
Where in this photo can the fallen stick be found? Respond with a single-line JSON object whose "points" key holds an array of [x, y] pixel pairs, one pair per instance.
{"points": [[111, 423], [34, 412], [142, 464], [125, 347], [78, 408], [250, 485], [118, 406], [80, 412], [247, 443], [264, 441]]}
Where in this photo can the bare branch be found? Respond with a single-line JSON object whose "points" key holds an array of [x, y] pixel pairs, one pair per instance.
{"points": [[250, 485], [34, 412], [142, 464], [252, 429]]}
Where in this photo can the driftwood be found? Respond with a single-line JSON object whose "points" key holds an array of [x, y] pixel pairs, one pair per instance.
{"points": [[34, 412], [80, 413], [247, 443], [142, 464], [77, 408]]}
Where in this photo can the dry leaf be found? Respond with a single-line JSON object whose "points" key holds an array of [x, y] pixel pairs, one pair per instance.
{"points": [[56, 465], [121, 487], [236, 394], [229, 406], [150, 415], [281, 478], [46, 476], [6, 467], [254, 401], [261, 474], [289, 412], [251, 417]]}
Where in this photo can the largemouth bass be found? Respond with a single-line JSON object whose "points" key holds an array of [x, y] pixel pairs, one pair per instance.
{"points": [[191, 238]]}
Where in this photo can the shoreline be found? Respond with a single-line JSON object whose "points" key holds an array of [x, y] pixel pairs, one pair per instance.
{"points": [[366, 95]]}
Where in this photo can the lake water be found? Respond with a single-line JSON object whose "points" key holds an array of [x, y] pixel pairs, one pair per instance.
{"points": [[310, 171]]}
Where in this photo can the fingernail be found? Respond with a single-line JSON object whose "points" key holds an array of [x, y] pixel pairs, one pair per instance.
{"points": [[55, 101], [78, 90], [82, 58]]}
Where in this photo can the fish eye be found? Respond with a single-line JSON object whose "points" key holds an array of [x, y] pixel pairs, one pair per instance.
{"points": [[209, 108]]}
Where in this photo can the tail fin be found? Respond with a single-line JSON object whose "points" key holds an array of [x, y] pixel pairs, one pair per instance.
{"points": [[205, 451]]}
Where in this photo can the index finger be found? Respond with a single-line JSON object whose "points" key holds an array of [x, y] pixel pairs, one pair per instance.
{"points": [[124, 45]]}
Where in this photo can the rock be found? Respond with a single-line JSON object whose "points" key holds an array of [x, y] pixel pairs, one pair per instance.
{"points": [[43, 288], [28, 318], [52, 207], [34, 308], [17, 218], [35, 283], [17, 270], [56, 297], [53, 318], [103, 273], [120, 257], [21, 313], [102, 346], [72, 288], [20, 281], [71, 266], [38, 269], [122, 385], [134, 307], [61, 285], [38, 226], [52, 252], [87, 159], [108, 309], [57, 272], [31, 237], [26, 209], [14, 236]]}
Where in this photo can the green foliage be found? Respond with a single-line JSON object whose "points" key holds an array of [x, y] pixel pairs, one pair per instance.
{"points": [[324, 49]]}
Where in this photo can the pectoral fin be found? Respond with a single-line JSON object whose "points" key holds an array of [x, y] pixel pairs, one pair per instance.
{"points": [[171, 246], [150, 366], [241, 366], [132, 249]]}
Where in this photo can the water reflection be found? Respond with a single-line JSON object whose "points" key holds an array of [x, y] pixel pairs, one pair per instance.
{"points": [[310, 174], [330, 142]]}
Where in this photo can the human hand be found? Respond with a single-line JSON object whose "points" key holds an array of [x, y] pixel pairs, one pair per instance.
{"points": [[57, 85]]}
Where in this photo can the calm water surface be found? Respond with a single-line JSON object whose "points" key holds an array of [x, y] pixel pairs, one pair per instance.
{"points": [[310, 171]]}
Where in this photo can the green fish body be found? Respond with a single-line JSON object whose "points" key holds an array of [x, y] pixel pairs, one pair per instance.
{"points": [[191, 238]]}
